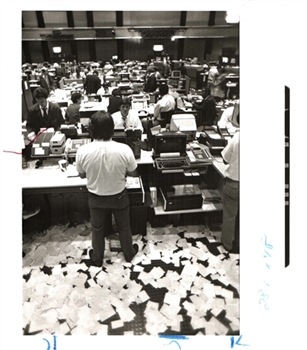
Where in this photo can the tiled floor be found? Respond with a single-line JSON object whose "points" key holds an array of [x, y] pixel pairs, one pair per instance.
{"points": [[181, 282]]}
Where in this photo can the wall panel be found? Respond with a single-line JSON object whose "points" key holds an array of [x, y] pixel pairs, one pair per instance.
{"points": [[83, 50], [197, 18], [151, 18], [140, 49], [104, 18], [29, 19], [80, 19], [194, 48], [35, 48], [105, 49], [55, 19]]}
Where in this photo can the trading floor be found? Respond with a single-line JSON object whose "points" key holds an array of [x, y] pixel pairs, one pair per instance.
{"points": [[182, 281]]}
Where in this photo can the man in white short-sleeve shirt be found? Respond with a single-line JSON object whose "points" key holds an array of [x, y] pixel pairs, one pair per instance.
{"points": [[230, 227], [106, 163]]}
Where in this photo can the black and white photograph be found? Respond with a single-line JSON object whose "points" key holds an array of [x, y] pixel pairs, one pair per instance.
{"points": [[135, 199], [130, 184]]}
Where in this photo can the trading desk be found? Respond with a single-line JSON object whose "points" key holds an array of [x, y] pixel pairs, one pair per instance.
{"points": [[49, 180]]}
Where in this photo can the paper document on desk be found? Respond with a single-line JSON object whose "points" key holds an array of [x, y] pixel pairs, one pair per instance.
{"points": [[72, 171], [133, 182]]}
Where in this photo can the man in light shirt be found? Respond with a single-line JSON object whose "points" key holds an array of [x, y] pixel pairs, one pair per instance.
{"points": [[126, 118], [230, 227], [166, 103]]}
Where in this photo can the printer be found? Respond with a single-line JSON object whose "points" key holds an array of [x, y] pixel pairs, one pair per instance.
{"points": [[181, 197], [41, 145], [57, 143]]}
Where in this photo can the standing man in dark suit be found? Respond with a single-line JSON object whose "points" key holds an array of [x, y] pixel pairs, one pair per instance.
{"points": [[43, 114], [92, 83], [206, 109], [45, 80], [151, 80]]}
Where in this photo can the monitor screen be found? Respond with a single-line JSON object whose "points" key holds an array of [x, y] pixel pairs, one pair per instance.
{"points": [[124, 76], [170, 142], [176, 74], [85, 121], [224, 59], [185, 123]]}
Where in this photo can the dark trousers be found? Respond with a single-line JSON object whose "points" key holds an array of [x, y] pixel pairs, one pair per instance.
{"points": [[230, 228], [101, 208]]}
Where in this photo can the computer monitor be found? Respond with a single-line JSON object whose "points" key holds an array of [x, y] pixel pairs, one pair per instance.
{"points": [[85, 121], [169, 142], [235, 115], [120, 136], [184, 123], [225, 60], [124, 76], [176, 74], [139, 104]]}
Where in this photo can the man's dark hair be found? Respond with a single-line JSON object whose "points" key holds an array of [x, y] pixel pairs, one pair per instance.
{"points": [[116, 92], [101, 126], [124, 102], [40, 92], [75, 97], [206, 91], [163, 89]]}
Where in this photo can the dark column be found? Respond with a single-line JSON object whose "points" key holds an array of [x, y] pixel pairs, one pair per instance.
{"points": [[183, 20], [40, 19], [209, 41], [120, 42], [119, 19], [90, 18], [120, 49], [211, 21], [91, 43], [70, 19]]}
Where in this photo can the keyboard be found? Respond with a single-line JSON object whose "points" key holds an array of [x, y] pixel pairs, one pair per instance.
{"points": [[172, 164]]}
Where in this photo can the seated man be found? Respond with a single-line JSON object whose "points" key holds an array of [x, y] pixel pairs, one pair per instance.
{"points": [[125, 118], [72, 115], [43, 114], [114, 101], [166, 103]]}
